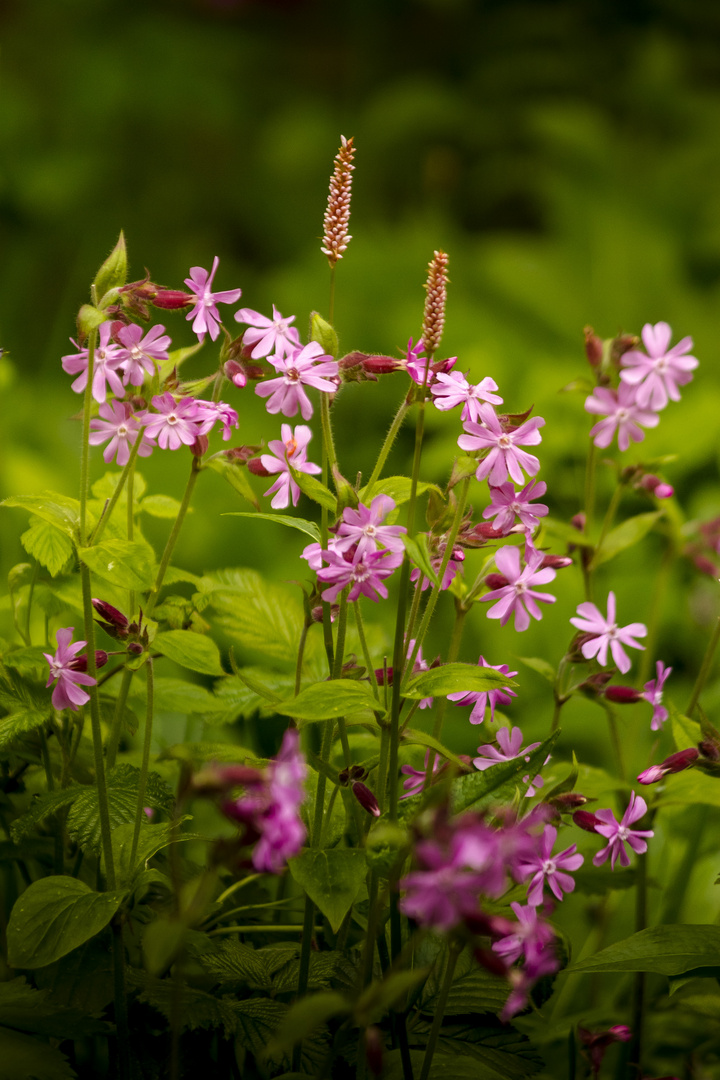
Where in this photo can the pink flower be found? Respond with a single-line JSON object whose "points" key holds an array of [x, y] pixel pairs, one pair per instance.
{"points": [[416, 365], [451, 389], [106, 360], [623, 414], [481, 698], [268, 335], [530, 937], [210, 413], [141, 354], [678, 762], [507, 503], [282, 829], [416, 777], [511, 748], [453, 567], [205, 315], [549, 869], [365, 528], [654, 695], [64, 667], [518, 596], [505, 456], [308, 366], [606, 632], [619, 834], [122, 429], [419, 666], [175, 424], [289, 450], [658, 375], [364, 573]]}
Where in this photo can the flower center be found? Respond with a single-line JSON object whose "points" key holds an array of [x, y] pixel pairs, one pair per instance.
{"points": [[292, 374], [291, 447], [136, 352], [369, 530], [549, 866], [172, 419], [623, 832], [623, 415], [361, 572], [504, 442], [122, 431]]}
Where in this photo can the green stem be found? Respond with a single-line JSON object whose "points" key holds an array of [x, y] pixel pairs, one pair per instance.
{"points": [[331, 306], [57, 829], [704, 670], [615, 739], [607, 522], [121, 1016], [364, 646], [131, 523], [236, 886], [31, 590], [85, 445], [265, 928], [439, 1014], [145, 765], [114, 740], [639, 982], [300, 654], [172, 538], [662, 580], [124, 476], [328, 440], [383, 767], [386, 448], [453, 653], [590, 488]]}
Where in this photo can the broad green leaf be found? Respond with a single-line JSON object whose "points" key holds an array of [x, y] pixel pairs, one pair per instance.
{"points": [[565, 532], [236, 475], [193, 651], [693, 787], [26, 1058], [83, 822], [304, 1016], [542, 667], [568, 784], [177, 695], [57, 509], [315, 490], [498, 783], [37, 1012], [160, 506], [235, 962], [49, 545], [417, 551], [476, 992], [129, 564], [421, 738], [152, 838], [398, 488], [239, 697], [332, 879], [53, 916], [28, 705], [667, 950], [30, 663], [40, 808], [258, 615], [161, 943], [328, 700], [625, 535], [200, 753], [307, 527], [686, 733], [455, 678], [106, 486]]}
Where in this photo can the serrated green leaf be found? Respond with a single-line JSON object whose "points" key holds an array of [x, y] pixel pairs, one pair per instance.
{"points": [[235, 962], [36, 1012], [667, 950], [160, 506], [58, 510], [625, 535], [193, 651], [83, 822], [328, 700], [498, 783], [314, 490], [129, 564], [49, 545], [177, 695], [30, 663], [28, 706], [41, 807], [152, 838], [421, 738], [25, 1058], [53, 916], [256, 614], [106, 486], [453, 679], [475, 992], [307, 527], [332, 879]]}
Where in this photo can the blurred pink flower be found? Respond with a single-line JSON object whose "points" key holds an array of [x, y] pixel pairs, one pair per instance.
{"points": [[657, 376], [654, 694], [619, 833], [67, 694], [623, 415]]}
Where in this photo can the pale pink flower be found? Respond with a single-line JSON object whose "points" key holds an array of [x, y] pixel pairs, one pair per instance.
{"points": [[619, 833], [416, 365], [657, 376], [507, 504], [140, 355], [268, 335], [452, 389], [176, 423], [623, 415], [210, 413], [67, 694], [122, 428], [606, 632], [511, 748], [505, 456], [106, 361], [289, 450], [451, 570], [481, 698], [518, 596], [205, 315], [416, 777], [654, 694], [365, 528], [678, 762], [307, 366], [420, 665], [550, 869], [364, 573]]}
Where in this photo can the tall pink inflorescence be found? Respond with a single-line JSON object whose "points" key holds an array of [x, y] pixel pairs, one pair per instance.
{"points": [[434, 314], [335, 232]]}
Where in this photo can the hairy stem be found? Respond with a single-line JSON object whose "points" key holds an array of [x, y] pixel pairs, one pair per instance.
{"points": [[453, 953], [85, 445], [386, 448], [125, 477], [145, 765], [172, 538]]}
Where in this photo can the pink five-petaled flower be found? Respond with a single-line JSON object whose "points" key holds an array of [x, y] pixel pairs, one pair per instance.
{"points": [[507, 503], [289, 450], [654, 694], [121, 428], [364, 573], [505, 456], [268, 335], [139, 354], [656, 377], [606, 632], [282, 829], [308, 366], [546, 867], [210, 413], [365, 528], [416, 777], [518, 596], [479, 699], [450, 389], [205, 315], [619, 833], [175, 424], [106, 360], [622, 413], [510, 743], [530, 937], [67, 694]]}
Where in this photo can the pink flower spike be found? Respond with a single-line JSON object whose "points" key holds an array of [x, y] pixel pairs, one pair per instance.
{"points": [[268, 335], [606, 632], [550, 869], [654, 695], [307, 366], [619, 834], [365, 528], [504, 458], [507, 504], [510, 743], [121, 428], [289, 450], [175, 424], [140, 355], [67, 694], [481, 698], [657, 376], [518, 596], [205, 315], [451, 389], [623, 415]]}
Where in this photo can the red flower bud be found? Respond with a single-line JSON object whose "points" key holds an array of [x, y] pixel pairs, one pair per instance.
{"points": [[569, 800], [578, 522], [80, 663], [555, 562], [199, 447], [172, 299], [593, 347], [257, 468], [110, 614], [135, 648], [623, 695], [709, 749], [496, 581], [374, 1045], [684, 759], [585, 820], [235, 373], [365, 797]]}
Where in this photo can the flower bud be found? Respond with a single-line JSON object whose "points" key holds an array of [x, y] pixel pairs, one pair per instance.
{"points": [[555, 562], [496, 581], [135, 648], [235, 373], [322, 332], [578, 522], [709, 749], [623, 695], [705, 566], [110, 614], [585, 820], [621, 344], [216, 779], [593, 347], [80, 663], [113, 272], [480, 534], [199, 447], [257, 468], [172, 299], [656, 486], [374, 1046], [568, 800], [365, 797], [684, 759], [381, 365]]}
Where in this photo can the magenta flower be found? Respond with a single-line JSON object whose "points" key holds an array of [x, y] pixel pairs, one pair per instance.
{"points": [[122, 429], [205, 315], [365, 528], [518, 596], [64, 667], [606, 632], [416, 365], [623, 415], [657, 376], [289, 450], [419, 666], [210, 413], [619, 833], [550, 869], [505, 458], [481, 698], [175, 424], [364, 573], [416, 777], [654, 694], [308, 366], [268, 335], [511, 748], [530, 937], [106, 361], [507, 504], [451, 389], [678, 762], [281, 827], [140, 355]]}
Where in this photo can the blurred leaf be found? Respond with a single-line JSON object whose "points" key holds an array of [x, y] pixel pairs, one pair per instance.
{"points": [[190, 650], [304, 1016], [58, 510], [541, 666], [477, 992], [667, 950], [419, 555], [25, 1058], [236, 476], [497, 784], [160, 506], [455, 678], [421, 738], [625, 535], [686, 733], [398, 488], [49, 545], [332, 879], [260, 616], [307, 527]]}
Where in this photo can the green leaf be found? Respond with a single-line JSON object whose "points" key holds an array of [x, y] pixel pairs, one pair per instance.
{"points": [[328, 700], [498, 783], [56, 509], [36, 1012], [40, 808], [421, 738], [444, 1066], [49, 545], [259, 616], [332, 879], [307, 527], [177, 695], [625, 535], [83, 821], [113, 272], [455, 678], [236, 475], [107, 485], [28, 706], [129, 564], [686, 733], [30, 663], [193, 651], [304, 1017], [25, 1058], [239, 697], [559, 530], [152, 838], [398, 488], [314, 490], [160, 506], [235, 962], [476, 992], [53, 916], [568, 784], [667, 950], [542, 667], [419, 555], [161, 943]]}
